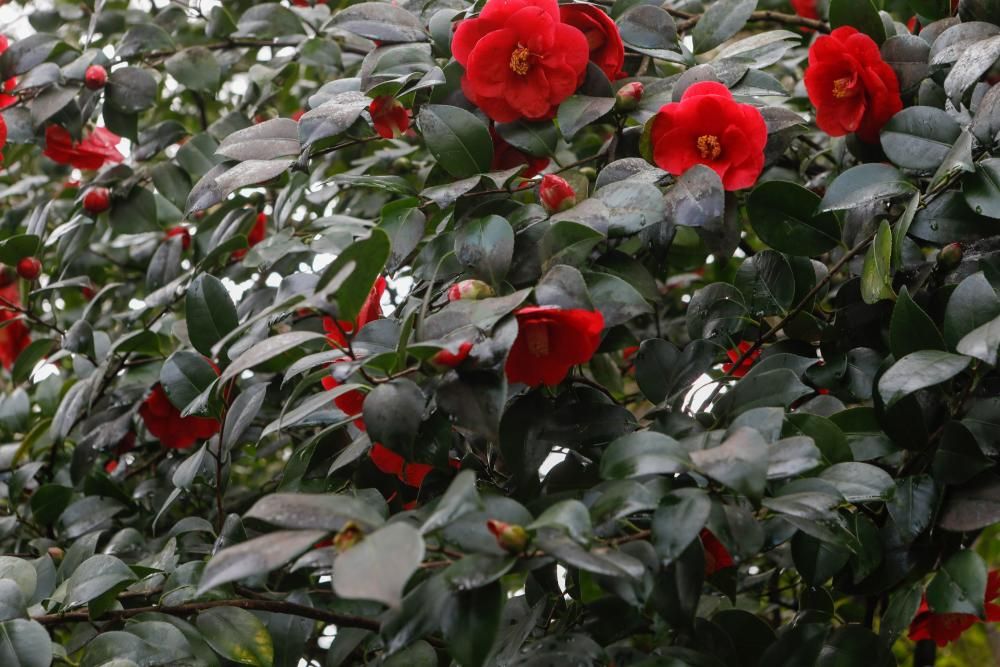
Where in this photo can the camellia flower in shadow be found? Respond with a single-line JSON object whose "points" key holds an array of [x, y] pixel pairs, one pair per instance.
{"points": [[92, 152], [506, 157], [14, 335], [254, 236], [603, 38], [389, 116], [734, 355], [946, 628], [520, 60], [163, 420], [6, 99], [852, 88], [350, 402], [709, 127], [370, 310], [550, 341], [717, 557]]}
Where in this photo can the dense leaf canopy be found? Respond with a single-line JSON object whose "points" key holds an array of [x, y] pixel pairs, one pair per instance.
{"points": [[515, 333]]}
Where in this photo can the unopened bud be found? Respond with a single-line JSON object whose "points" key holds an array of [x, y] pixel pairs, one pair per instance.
{"points": [[628, 96], [470, 289], [512, 538], [950, 256], [402, 164], [348, 536], [588, 172], [556, 194], [56, 554]]}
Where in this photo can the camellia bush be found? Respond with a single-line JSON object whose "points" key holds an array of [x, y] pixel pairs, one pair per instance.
{"points": [[518, 333]]}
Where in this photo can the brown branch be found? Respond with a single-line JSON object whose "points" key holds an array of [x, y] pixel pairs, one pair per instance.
{"points": [[275, 606], [691, 20]]}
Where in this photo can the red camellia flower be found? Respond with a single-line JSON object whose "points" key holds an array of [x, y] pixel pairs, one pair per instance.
{"points": [[520, 60], [389, 116], [14, 333], [708, 127], [506, 157], [550, 341], [734, 355], [370, 310], [254, 236], [852, 88], [181, 231], [601, 32], [163, 420], [556, 194], [717, 557], [93, 152], [6, 100], [945, 628], [297, 114]]}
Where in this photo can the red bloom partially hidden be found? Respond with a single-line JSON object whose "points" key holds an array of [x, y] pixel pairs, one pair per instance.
{"points": [[8, 87], [852, 88], [448, 359], [254, 236], [165, 423], [520, 60], [708, 127], [805, 8], [506, 157], [370, 310], [93, 152], [389, 116], [3, 136], [550, 341], [603, 38], [391, 463], [14, 333], [350, 402], [717, 557], [946, 628], [181, 231], [734, 355]]}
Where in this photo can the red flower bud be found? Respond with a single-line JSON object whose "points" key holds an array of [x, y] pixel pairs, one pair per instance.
{"points": [[181, 231], [469, 289], [95, 77], [29, 268], [348, 536], [448, 359], [950, 256], [512, 538], [556, 193], [97, 200], [628, 96]]}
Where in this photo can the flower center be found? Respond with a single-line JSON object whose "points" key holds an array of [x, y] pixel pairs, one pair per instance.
{"points": [[537, 338], [709, 146], [519, 63], [842, 87]]}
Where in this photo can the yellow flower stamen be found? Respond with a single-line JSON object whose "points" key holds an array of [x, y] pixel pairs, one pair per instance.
{"points": [[842, 87], [709, 146], [519, 62]]}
